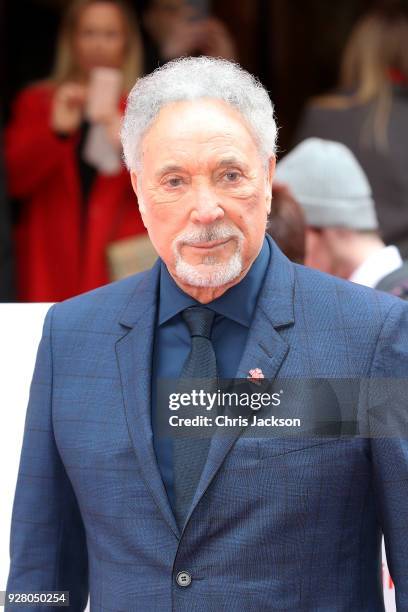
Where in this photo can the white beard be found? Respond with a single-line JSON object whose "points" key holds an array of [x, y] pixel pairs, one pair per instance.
{"points": [[220, 273]]}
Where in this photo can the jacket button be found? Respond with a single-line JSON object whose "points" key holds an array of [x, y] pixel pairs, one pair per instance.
{"points": [[183, 579]]}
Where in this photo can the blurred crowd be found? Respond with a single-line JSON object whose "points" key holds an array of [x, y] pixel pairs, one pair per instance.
{"points": [[340, 195]]}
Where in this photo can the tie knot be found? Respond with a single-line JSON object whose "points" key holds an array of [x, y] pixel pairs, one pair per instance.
{"points": [[199, 320]]}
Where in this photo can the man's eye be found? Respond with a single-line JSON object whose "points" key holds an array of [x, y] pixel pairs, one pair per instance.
{"points": [[232, 177], [174, 181]]}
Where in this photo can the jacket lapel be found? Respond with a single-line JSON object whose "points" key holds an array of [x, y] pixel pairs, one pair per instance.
{"points": [[265, 349], [134, 355]]}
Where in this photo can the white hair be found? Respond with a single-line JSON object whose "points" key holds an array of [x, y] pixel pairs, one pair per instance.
{"points": [[192, 78]]}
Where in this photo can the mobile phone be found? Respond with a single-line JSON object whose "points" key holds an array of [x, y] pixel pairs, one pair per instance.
{"points": [[105, 86], [201, 9]]}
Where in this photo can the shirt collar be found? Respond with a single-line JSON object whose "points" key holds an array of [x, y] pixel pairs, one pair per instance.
{"points": [[237, 303], [376, 266]]}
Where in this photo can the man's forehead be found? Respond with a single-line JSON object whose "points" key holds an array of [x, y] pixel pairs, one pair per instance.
{"points": [[175, 144], [198, 133], [224, 145], [202, 118]]}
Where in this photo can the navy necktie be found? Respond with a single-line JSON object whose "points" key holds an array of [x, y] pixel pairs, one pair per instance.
{"points": [[190, 451]]}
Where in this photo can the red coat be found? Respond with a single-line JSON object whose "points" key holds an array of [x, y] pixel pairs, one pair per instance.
{"points": [[52, 261]]}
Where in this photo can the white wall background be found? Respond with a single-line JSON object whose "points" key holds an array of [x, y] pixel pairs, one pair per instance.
{"points": [[20, 333]]}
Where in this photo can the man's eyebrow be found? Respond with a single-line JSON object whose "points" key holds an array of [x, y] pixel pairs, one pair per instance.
{"points": [[231, 161], [168, 168], [223, 163]]}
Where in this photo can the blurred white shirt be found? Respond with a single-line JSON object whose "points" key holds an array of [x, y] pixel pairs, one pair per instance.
{"points": [[377, 266]]}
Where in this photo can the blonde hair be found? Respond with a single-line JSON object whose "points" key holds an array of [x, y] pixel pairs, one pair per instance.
{"points": [[65, 67], [377, 44]]}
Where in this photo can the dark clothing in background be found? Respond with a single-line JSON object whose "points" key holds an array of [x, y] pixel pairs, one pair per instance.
{"points": [[396, 282], [87, 172], [387, 171]]}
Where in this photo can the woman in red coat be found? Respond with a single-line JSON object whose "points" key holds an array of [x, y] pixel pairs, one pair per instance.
{"points": [[73, 207]]}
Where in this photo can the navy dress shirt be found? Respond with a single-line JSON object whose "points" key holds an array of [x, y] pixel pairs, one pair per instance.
{"points": [[234, 313]]}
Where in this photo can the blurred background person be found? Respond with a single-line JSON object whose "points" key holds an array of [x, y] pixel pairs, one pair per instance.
{"points": [[369, 113], [180, 28], [342, 235], [286, 223], [63, 155], [294, 48]]}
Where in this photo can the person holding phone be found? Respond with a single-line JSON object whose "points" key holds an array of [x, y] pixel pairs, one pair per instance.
{"points": [[63, 155], [187, 27]]}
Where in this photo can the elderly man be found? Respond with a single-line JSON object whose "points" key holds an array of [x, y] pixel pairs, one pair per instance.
{"points": [[106, 504]]}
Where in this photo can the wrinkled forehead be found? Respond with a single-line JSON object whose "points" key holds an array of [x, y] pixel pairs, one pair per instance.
{"points": [[189, 127]]}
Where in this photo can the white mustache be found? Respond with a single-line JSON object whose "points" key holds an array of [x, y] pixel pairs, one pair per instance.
{"points": [[208, 234]]}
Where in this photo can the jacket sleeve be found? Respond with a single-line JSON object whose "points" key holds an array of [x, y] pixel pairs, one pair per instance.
{"points": [[32, 150], [48, 550], [388, 423]]}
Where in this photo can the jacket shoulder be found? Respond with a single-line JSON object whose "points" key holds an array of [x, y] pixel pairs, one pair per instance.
{"points": [[340, 297], [98, 309]]}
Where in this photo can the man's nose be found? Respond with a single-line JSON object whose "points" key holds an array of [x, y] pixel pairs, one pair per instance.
{"points": [[207, 207]]}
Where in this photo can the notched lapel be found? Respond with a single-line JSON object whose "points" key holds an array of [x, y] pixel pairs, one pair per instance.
{"points": [[134, 354]]}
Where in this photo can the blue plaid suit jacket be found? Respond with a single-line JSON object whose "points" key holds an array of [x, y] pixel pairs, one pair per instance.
{"points": [[275, 524]]}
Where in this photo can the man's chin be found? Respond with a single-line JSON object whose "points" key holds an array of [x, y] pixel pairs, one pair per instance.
{"points": [[208, 275]]}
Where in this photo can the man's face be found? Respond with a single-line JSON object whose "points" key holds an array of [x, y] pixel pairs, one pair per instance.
{"points": [[100, 37], [317, 254], [204, 192]]}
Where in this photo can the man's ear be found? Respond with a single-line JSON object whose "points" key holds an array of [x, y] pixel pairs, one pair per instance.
{"points": [[269, 178], [136, 187], [133, 178]]}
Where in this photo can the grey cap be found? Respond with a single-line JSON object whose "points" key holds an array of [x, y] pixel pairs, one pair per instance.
{"points": [[329, 184]]}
